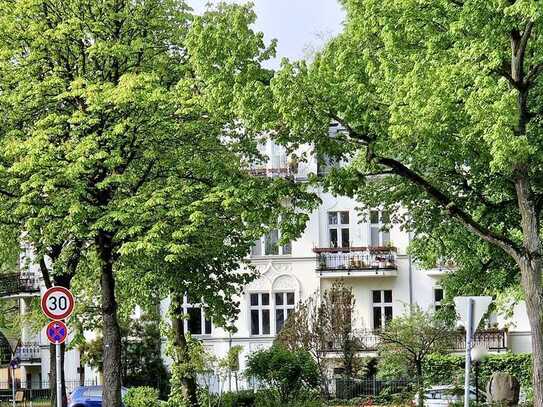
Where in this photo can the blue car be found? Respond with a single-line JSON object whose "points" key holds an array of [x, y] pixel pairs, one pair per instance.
{"points": [[88, 396]]}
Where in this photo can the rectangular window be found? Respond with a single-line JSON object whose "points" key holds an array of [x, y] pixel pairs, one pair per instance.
{"points": [[268, 245], [260, 313], [196, 322], [284, 305], [256, 250], [271, 240], [379, 228], [333, 238], [339, 229], [438, 298], [382, 308]]}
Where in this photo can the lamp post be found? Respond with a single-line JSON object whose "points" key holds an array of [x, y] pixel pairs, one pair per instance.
{"points": [[478, 353]]}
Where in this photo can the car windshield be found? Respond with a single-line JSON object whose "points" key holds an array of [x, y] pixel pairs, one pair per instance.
{"points": [[92, 392]]}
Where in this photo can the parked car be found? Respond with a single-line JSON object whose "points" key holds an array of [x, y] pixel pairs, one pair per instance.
{"points": [[445, 395], [88, 396]]}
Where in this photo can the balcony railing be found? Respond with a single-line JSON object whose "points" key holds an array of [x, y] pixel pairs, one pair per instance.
{"points": [[296, 172], [18, 283], [29, 352], [494, 340], [356, 258]]}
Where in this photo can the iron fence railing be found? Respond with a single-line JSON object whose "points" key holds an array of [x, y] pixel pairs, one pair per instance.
{"points": [[346, 388], [354, 258], [18, 283], [29, 352], [491, 339], [494, 340]]}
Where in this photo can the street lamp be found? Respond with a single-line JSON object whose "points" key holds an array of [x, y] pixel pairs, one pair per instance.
{"points": [[478, 353]]}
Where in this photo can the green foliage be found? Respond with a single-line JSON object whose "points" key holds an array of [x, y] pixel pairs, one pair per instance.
{"points": [[244, 398], [287, 373], [449, 369], [141, 397], [408, 340]]}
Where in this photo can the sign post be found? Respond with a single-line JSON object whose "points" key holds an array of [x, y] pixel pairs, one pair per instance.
{"points": [[471, 310], [57, 303], [13, 364], [57, 332]]}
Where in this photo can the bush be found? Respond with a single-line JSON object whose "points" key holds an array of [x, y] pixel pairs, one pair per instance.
{"points": [[286, 373], [141, 397], [449, 369], [243, 398]]}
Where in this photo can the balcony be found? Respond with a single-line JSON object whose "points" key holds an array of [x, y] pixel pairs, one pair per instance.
{"points": [[442, 267], [18, 284], [494, 340], [29, 353], [297, 172], [356, 261]]}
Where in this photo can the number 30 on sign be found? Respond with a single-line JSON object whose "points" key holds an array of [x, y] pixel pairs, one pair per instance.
{"points": [[57, 303]]}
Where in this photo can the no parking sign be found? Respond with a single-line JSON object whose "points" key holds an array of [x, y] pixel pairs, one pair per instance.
{"points": [[57, 332]]}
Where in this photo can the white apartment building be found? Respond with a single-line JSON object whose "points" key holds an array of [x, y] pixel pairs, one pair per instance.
{"points": [[338, 243]]}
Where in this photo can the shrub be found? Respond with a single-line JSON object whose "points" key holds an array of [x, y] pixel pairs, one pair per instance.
{"points": [[449, 369], [287, 373], [141, 397], [243, 398]]}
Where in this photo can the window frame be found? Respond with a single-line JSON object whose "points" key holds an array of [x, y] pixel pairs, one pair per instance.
{"points": [[438, 304], [260, 308], [272, 307], [339, 227], [284, 308], [204, 321], [382, 305], [380, 228], [261, 245]]}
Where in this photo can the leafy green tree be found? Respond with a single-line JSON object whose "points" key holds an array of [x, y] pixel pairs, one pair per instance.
{"points": [[439, 102], [407, 341], [120, 145], [288, 373]]}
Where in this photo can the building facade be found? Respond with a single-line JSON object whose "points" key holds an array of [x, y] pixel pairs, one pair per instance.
{"points": [[339, 242]]}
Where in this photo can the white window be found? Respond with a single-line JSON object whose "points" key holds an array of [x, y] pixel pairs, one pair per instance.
{"points": [[284, 306], [379, 232], [196, 322], [259, 305], [338, 229], [438, 298], [382, 308], [269, 245]]}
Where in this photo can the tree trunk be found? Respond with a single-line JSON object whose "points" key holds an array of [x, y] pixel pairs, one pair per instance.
{"points": [[188, 382], [529, 261], [420, 384], [111, 396], [533, 292]]}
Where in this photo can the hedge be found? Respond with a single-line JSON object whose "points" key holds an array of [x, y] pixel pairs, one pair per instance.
{"points": [[449, 369]]}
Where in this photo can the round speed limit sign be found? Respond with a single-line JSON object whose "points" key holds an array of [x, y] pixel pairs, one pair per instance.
{"points": [[57, 303]]}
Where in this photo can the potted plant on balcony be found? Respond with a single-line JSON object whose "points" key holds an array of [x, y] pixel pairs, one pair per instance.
{"points": [[322, 262]]}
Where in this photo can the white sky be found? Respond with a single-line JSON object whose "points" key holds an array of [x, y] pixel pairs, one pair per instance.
{"points": [[297, 24]]}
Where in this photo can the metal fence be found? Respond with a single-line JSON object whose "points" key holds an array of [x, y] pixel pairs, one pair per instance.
{"points": [[36, 391], [348, 388]]}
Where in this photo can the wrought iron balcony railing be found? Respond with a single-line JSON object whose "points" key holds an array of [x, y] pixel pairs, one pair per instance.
{"points": [[18, 283], [29, 352], [356, 258], [494, 340]]}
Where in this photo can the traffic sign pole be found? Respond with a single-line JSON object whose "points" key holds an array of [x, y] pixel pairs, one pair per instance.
{"points": [[469, 330], [57, 303], [59, 375]]}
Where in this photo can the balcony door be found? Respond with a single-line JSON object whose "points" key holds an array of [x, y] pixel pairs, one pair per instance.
{"points": [[339, 233]]}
